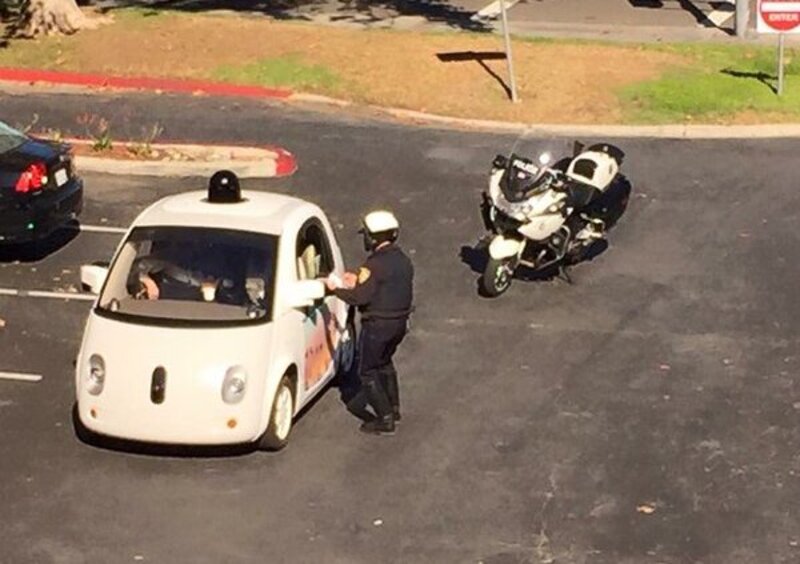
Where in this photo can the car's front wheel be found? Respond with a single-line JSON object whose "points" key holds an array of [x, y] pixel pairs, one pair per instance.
{"points": [[280, 420]]}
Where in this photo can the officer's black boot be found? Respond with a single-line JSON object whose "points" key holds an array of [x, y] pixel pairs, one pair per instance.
{"points": [[392, 390], [383, 424]]}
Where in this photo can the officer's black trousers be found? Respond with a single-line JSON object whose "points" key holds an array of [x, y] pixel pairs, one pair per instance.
{"points": [[378, 342]]}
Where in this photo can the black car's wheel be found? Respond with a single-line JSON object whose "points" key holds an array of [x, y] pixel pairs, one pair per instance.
{"points": [[497, 276]]}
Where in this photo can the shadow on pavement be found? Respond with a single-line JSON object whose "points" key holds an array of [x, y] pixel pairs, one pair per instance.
{"points": [[357, 11], [687, 5]]}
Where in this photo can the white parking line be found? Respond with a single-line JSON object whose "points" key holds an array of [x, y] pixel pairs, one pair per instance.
{"points": [[722, 15], [46, 294], [21, 377], [492, 10]]}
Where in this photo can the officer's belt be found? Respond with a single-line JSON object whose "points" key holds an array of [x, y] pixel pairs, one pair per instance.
{"points": [[378, 314]]}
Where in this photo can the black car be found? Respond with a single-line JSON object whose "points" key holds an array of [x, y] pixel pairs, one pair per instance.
{"points": [[39, 190]]}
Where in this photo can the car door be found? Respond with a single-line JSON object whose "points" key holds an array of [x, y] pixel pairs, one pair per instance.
{"points": [[322, 324]]}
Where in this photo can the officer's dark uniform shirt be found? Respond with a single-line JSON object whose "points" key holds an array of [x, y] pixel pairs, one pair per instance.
{"points": [[385, 285]]}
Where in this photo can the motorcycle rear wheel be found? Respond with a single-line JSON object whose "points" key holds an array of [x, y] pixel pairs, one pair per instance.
{"points": [[496, 277]]}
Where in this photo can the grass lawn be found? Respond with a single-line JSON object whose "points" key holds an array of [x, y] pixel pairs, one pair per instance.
{"points": [[719, 82], [280, 71], [559, 81]]}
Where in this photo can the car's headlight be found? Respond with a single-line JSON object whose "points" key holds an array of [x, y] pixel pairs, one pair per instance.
{"points": [[96, 375], [234, 385]]}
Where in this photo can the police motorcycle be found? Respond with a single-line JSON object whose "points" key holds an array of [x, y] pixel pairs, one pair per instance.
{"points": [[546, 217]]}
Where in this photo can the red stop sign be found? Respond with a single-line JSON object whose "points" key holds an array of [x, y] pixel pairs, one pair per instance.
{"points": [[780, 15]]}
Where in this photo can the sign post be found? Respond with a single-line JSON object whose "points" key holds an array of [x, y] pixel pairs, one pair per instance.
{"points": [[509, 60], [781, 17], [780, 64], [742, 17]]}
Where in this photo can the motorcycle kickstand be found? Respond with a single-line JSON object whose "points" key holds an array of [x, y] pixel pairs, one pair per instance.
{"points": [[563, 273]]}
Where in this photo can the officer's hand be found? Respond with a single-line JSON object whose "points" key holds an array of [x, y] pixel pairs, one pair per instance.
{"points": [[330, 284], [349, 280]]}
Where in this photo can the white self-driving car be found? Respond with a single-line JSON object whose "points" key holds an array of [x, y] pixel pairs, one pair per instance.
{"points": [[211, 325]]}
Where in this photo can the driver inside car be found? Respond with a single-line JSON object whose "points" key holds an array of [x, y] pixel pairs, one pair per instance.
{"points": [[170, 273]]}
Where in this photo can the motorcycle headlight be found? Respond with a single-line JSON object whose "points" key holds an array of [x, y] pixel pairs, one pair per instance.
{"points": [[555, 208], [234, 385], [96, 375], [520, 212]]}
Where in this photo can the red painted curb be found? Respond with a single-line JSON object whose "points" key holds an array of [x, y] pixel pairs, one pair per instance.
{"points": [[140, 83], [286, 163]]}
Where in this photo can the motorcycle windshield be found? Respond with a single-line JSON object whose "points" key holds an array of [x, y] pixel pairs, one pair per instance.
{"points": [[518, 185]]}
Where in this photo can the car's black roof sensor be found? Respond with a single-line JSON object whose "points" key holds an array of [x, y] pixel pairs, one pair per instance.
{"points": [[223, 188]]}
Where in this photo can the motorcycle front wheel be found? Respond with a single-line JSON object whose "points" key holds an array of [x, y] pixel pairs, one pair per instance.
{"points": [[496, 277]]}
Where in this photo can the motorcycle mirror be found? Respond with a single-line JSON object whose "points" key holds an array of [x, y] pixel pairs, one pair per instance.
{"points": [[544, 158]]}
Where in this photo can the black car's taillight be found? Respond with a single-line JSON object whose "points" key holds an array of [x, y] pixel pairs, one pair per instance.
{"points": [[32, 178]]}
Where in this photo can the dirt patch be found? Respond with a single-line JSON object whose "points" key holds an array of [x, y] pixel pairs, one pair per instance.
{"points": [[557, 83], [159, 152], [133, 152]]}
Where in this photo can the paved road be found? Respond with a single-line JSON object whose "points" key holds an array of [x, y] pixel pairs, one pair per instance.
{"points": [[681, 13], [536, 424]]}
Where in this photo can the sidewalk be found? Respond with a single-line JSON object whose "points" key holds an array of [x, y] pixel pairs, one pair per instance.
{"points": [[388, 19], [450, 17]]}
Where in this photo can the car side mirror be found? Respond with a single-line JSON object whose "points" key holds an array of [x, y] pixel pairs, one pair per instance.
{"points": [[304, 293], [93, 277]]}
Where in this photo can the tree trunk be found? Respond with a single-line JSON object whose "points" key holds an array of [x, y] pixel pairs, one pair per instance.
{"points": [[48, 17]]}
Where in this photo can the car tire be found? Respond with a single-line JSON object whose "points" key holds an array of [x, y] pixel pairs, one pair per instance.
{"points": [[347, 359], [276, 436]]}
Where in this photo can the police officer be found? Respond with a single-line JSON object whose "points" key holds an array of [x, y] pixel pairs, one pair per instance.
{"points": [[383, 292]]}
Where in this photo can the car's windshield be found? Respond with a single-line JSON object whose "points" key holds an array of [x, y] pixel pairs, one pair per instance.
{"points": [[10, 138], [188, 274]]}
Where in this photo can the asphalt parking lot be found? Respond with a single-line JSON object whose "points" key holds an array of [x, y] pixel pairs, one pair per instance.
{"points": [[645, 414]]}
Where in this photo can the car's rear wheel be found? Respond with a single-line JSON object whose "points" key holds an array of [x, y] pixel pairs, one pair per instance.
{"points": [[347, 358], [280, 420]]}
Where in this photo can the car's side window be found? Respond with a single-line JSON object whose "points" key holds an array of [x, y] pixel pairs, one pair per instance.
{"points": [[314, 256]]}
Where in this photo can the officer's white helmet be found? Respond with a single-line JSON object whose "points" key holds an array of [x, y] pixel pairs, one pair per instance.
{"points": [[380, 226], [380, 221]]}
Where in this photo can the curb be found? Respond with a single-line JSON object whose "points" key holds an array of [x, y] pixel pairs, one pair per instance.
{"points": [[669, 131], [31, 76], [245, 162]]}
